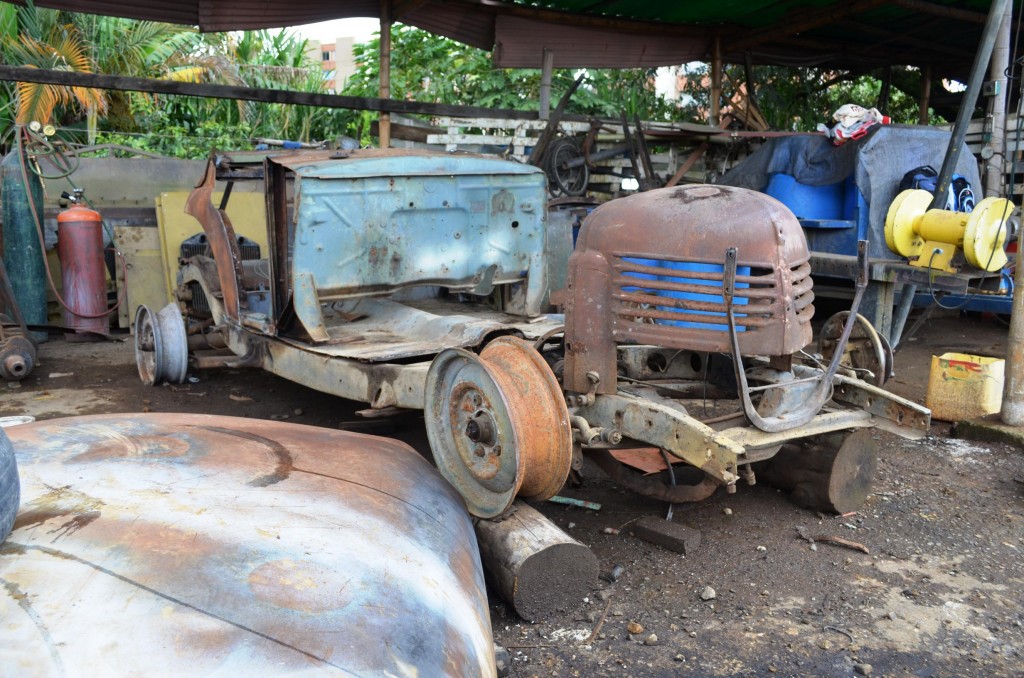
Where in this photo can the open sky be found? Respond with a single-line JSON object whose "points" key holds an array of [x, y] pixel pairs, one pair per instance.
{"points": [[327, 31]]}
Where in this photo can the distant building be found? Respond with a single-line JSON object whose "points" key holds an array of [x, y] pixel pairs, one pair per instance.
{"points": [[336, 60]]}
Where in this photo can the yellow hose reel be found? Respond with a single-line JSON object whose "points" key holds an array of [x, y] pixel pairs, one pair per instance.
{"points": [[930, 238]]}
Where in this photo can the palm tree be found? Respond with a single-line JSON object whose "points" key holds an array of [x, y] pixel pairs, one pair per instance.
{"points": [[38, 39]]}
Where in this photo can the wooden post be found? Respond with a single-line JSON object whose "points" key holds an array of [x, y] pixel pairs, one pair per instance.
{"points": [[883, 96], [385, 70], [828, 473], [536, 567], [714, 113], [926, 95], [547, 66]]}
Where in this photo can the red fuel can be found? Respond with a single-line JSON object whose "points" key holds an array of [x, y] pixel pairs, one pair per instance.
{"points": [[83, 272]]}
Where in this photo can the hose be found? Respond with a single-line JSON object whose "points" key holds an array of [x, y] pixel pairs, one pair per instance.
{"points": [[20, 136]]}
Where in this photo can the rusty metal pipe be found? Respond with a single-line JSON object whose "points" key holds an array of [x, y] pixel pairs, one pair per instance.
{"points": [[206, 341], [15, 365]]}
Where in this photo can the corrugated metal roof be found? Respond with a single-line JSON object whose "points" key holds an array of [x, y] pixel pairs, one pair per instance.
{"points": [[942, 34]]}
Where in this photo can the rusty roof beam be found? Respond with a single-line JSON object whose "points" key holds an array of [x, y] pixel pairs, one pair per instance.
{"points": [[568, 18], [942, 10], [888, 37], [798, 22], [402, 7]]}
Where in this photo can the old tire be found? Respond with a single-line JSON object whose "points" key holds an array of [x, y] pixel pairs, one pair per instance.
{"points": [[10, 486]]}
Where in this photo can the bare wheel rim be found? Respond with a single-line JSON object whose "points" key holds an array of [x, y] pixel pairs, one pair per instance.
{"points": [[497, 425], [148, 346]]}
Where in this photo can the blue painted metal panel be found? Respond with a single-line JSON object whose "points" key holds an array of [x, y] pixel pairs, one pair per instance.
{"points": [[371, 226]]}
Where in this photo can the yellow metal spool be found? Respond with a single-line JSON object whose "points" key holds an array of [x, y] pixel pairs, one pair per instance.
{"points": [[931, 236]]}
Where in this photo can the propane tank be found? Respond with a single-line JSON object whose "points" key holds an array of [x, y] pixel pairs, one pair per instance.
{"points": [[83, 271]]}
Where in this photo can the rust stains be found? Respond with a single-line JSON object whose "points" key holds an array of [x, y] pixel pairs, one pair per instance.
{"points": [[284, 465]]}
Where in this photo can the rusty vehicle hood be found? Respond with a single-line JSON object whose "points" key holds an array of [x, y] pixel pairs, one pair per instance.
{"points": [[193, 544]]}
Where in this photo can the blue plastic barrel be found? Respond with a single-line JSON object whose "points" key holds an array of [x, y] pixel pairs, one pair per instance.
{"points": [[642, 276], [694, 296], [805, 201]]}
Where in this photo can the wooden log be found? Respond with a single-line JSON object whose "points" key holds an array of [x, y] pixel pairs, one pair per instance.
{"points": [[535, 566], [832, 472]]}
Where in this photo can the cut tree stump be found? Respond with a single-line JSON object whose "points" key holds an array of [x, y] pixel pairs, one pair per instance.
{"points": [[832, 472], [535, 566]]}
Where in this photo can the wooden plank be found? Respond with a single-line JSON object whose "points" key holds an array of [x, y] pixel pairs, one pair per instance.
{"points": [[274, 96]]}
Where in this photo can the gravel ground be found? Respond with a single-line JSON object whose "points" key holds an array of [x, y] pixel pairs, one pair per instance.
{"points": [[938, 594]]}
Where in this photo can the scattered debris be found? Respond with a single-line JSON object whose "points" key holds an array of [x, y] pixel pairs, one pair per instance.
{"points": [[600, 623], [575, 635], [762, 548], [863, 669], [614, 574], [708, 593], [502, 660], [651, 639], [727, 511], [634, 628], [558, 499], [610, 530], [241, 398], [672, 536], [839, 541], [845, 633], [58, 375]]}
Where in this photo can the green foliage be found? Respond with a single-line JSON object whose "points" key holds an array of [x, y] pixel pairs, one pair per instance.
{"points": [[430, 68], [181, 141], [798, 99]]}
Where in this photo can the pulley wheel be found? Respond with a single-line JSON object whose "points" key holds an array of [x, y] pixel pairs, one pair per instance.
{"points": [[570, 181], [161, 345], [498, 425], [865, 350], [905, 211]]}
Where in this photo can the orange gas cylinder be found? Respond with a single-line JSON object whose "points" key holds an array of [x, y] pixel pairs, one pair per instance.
{"points": [[83, 272]]}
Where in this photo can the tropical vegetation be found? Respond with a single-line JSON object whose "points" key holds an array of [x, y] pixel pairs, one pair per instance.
{"points": [[425, 67]]}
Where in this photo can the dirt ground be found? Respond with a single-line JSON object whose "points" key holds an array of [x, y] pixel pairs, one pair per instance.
{"points": [[939, 594]]}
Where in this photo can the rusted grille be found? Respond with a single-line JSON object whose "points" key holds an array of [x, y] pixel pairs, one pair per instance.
{"points": [[689, 294], [196, 246]]}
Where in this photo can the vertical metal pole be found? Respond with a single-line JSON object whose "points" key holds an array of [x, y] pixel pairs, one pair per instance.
{"points": [[547, 67], [995, 165], [926, 95], [714, 112], [969, 100], [384, 132], [1012, 411]]}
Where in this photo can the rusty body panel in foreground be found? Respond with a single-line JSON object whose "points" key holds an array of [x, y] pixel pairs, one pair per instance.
{"points": [[199, 544]]}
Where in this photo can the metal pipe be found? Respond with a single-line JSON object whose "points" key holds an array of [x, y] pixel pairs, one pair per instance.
{"points": [[384, 128], [996, 161], [547, 66], [970, 98]]}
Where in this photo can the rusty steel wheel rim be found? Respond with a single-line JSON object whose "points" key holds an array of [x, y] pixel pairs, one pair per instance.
{"points": [[497, 425]]}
